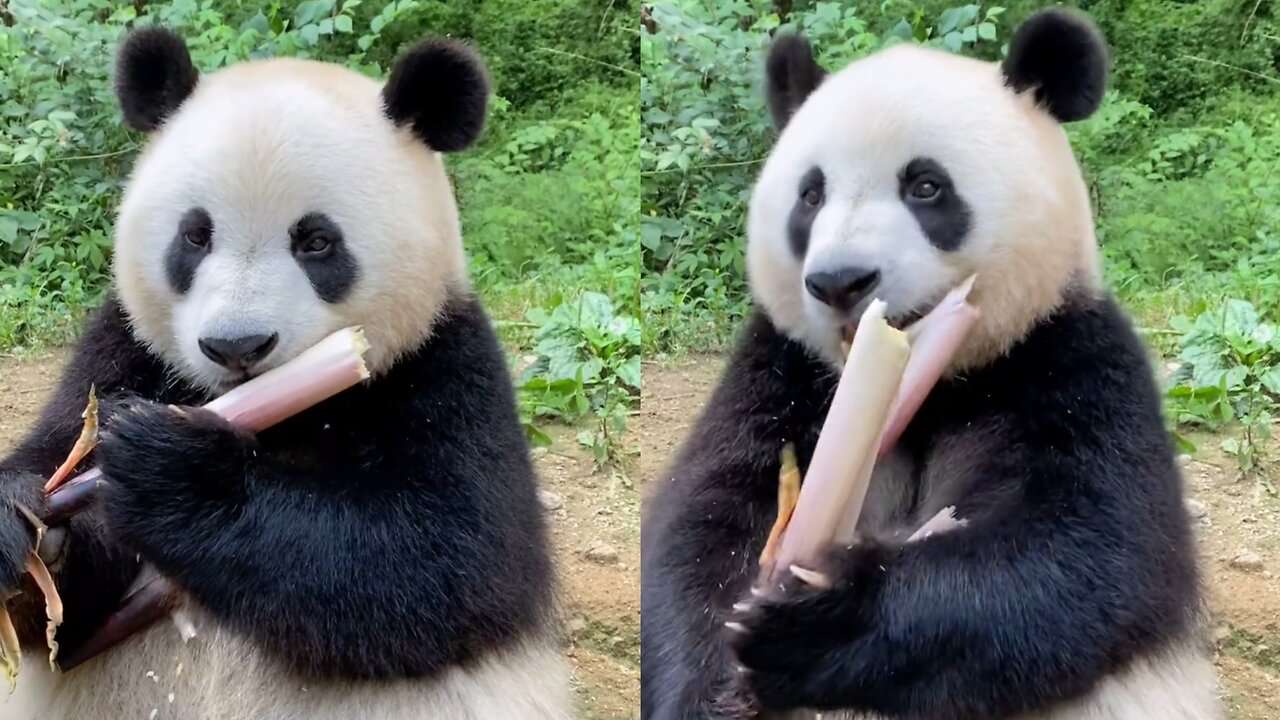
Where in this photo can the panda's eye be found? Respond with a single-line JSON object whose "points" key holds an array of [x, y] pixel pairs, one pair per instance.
{"points": [[812, 197], [317, 244], [925, 190], [198, 238]]}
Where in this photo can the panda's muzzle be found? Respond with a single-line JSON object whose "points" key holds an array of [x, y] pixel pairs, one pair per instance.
{"points": [[842, 289], [239, 354]]}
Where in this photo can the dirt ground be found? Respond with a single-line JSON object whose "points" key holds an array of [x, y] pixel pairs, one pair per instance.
{"points": [[1239, 517], [594, 521]]}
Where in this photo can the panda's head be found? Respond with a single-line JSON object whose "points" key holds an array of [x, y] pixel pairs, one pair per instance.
{"points": [[907, 171], [278, 201]]}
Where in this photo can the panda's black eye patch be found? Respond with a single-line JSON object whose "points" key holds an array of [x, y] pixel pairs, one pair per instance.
{"points": [[192, 243], [812, 195], [318, 246], [928, 192]]}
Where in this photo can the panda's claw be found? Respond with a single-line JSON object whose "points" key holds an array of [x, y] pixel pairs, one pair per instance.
{"points": [[811, 577]]}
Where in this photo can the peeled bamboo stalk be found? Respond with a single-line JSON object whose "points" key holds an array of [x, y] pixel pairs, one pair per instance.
{"points": [[935, 339], [849, 439], [886, 378]]}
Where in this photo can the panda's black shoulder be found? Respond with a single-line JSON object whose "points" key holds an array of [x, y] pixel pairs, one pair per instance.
{"points": [[772, 391], [459, 373], [769, 372], [1081, 372], [106, 355], [1090, 341]]}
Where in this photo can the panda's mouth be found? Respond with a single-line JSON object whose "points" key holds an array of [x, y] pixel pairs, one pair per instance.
{"points": [[901, 321], [231, 382]]}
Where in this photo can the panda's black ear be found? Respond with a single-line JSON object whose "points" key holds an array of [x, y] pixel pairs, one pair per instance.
{"points": [[791, 74], [1063, 57], [441, 88], [154, 75]]}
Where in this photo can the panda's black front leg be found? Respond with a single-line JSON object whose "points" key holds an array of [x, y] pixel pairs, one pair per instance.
{"points": [[798, 642], [165, 464], [357, 569]]}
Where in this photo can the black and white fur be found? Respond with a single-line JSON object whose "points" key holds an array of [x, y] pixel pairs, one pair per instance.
{"points": [[380, 555], [1070, 592]]}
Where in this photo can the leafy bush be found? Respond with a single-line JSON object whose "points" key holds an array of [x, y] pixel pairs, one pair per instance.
{"points": [[1229, 372], [548, 197], [585, 365]]}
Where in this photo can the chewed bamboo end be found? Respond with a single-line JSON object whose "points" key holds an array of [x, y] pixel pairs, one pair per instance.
{"points": [[361, 346]]}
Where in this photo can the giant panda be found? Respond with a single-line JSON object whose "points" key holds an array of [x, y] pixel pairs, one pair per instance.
{"points": [[381, 555], [1069, 589]]}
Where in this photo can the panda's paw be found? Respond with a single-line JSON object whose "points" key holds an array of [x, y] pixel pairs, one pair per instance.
{"points": [[789, 639], [164, 451], [21, 497]]}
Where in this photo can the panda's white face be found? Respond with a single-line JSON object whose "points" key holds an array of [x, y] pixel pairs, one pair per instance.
{"points": [[898, 177], [277, 205]]}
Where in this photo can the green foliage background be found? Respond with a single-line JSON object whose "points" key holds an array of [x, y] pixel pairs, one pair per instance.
{"points": [[549, 196], [1183, 162]]}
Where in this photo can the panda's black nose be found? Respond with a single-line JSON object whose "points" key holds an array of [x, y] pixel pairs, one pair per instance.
{"points": [[239, 353], [842, 289]]}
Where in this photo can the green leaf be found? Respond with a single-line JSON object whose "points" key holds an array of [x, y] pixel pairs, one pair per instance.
{"points": [[1234, 378], [1270, 379], [258, 23], [1183, 443], [306, 12], [987, 31], [537, 437], [629, 372], [1239, 317], [901, 31], [949, 20], [342, 24]]}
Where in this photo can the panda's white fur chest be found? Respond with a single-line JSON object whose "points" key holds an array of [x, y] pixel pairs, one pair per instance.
{"points": [[219, 676], [906, 492], [1179, 685]]}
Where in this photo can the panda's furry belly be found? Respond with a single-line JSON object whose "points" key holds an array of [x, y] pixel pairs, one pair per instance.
{"points": [[218, 676], [1181, 685]]}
